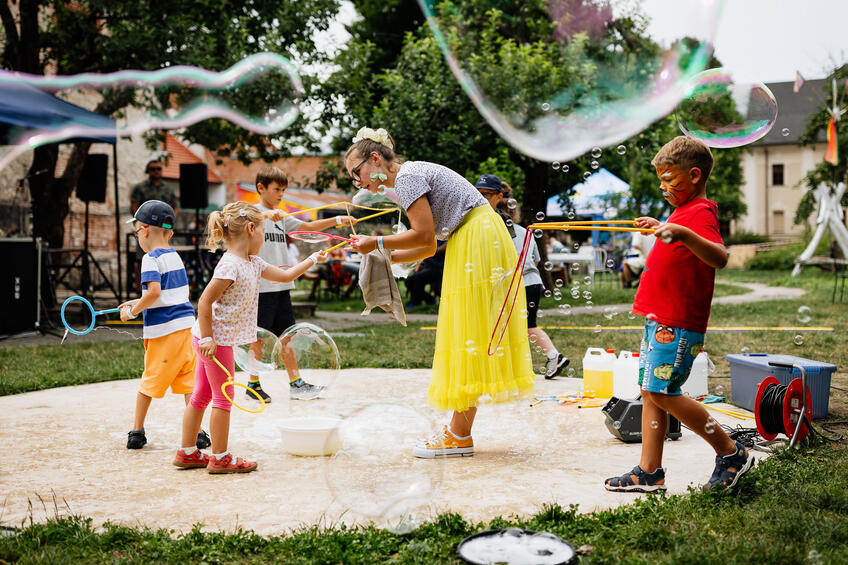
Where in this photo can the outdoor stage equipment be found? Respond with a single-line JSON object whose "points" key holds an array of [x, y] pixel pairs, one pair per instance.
{"points": [[20, 285], [624, 420]]}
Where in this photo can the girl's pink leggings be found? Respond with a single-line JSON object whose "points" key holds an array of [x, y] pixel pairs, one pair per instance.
{"points": [[209, 377]]}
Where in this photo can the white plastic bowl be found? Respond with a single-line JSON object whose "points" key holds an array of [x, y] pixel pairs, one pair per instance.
{"points": [[310, 436]]}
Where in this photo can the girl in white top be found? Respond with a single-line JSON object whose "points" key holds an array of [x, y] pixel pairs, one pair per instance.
{"points": [[226, 317]]}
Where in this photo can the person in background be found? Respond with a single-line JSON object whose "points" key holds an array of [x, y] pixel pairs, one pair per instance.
{"points": [[496, 191]]}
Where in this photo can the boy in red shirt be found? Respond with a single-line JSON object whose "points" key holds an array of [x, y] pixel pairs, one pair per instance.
{"points": [[674, 294]]}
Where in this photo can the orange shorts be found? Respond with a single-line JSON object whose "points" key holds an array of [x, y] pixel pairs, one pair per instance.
{"points": [[169, 361]]}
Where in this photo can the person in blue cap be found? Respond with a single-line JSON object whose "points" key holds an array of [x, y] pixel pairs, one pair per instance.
{"points": [[169, 358]]}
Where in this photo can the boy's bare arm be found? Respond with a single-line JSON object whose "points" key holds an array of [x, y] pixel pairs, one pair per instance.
{"points": [[133, 309], [318, 225], [712, 253]]}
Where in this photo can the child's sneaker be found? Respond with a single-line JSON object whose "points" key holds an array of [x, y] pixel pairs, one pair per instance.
{"points": [[136, 439], [203, 440], [444, 444], [256, 387], [196, 460], [302, 390], [645, 482], [729, 468], [555, 366], [229, 464]]}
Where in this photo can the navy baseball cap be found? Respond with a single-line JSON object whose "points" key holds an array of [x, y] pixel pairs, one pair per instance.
{"points": [[155, 213], [489, 182]]}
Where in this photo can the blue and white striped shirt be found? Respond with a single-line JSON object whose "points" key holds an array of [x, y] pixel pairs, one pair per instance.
{"points": [[172, 311]]}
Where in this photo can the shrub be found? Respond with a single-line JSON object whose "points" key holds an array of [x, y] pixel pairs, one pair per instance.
{"points": [[742, 237]]}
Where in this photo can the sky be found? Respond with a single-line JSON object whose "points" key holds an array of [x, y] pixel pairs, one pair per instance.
{"points": [[768, 40]]}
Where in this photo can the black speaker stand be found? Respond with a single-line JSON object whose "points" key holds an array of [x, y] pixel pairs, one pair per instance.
{"points": [[84, 261]]}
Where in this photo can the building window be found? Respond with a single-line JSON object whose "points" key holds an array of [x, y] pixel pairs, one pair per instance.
{"points": [[777, 222], [777, 175]]}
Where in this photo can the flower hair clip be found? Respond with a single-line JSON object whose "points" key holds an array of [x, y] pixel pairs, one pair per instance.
{"points": [[381, 136], [379, 176], [226, 220]]}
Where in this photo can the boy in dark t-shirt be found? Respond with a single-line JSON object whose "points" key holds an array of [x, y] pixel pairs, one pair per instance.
{"points": [[674, 295]]}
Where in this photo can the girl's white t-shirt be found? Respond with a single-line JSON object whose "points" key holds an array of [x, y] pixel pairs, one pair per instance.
{"points": [[234, 314]]}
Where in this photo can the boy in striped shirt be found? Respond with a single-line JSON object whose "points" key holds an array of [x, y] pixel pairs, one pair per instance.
{"points": [[169, 358]]}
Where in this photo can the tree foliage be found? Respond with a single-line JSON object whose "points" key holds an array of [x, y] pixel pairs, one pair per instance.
{"points": [[102, 36]]}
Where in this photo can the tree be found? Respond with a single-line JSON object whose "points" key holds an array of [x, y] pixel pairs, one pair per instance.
{"points": [[102, 36], [816, 124]]}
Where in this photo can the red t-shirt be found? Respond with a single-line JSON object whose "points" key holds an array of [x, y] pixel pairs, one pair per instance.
{"points": [[676, 288]]}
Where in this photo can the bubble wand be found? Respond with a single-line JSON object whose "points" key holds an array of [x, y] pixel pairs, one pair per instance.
{"points": [[231, 382], [94, 313]]}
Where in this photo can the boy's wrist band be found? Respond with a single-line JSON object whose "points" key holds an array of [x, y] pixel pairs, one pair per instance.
{"points": [[313, 259], [338, 220], [130, 314], [380, 243], [203, 340]]}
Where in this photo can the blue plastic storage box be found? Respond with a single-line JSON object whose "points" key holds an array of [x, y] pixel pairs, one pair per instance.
{"points": [[747, 370]]}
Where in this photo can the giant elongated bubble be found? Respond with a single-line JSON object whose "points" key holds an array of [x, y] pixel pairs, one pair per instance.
{"points": [[557, 78], [272, 82]]}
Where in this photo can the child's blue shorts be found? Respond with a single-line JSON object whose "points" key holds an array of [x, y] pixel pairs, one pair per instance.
{"points": [[666, 357]]}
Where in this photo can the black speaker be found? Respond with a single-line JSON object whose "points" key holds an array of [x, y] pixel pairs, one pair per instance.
{"points": [[624, 420], [194, 186], [18, 285], [91, 186]]}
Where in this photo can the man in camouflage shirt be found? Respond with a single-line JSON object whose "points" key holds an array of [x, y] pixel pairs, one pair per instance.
{"points": [[154, 188]]}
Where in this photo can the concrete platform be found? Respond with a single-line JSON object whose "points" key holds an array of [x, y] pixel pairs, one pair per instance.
{"points": [[68, 445]]}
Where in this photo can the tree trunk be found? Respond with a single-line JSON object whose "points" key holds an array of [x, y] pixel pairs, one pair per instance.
{"points": [[49, 194]]}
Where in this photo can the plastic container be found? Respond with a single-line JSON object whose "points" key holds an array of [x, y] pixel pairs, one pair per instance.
{"points": [[696, 384], [310, 436], [625, 375], [747, 370], [597, 372]]}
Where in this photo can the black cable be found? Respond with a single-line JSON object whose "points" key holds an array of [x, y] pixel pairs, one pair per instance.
{"points": [[745, 436], [771, 408]]}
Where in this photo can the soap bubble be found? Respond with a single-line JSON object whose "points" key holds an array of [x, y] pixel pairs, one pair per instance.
{"points": [[587, 279], [469, 267], [570, 372], [745, 349], [586, 175], [597, 329], [548, 266], [546, 107], [565, 168], [575, 266], [268, 86], [587, 294], [710, 426], [724, 113], [804, 314], [540, 216], [784, 132], [596, 152], [565, 309], [508, 222], [444, 233], [594, 164], [610, 213], [511, 203], [665, 236], [557, 295], [601, 88], [654, 424], [547, 293], [616, 425], [531, 304], [537, 234], [555, 165], [610, 263], [621, 149], [799, 339], [383, 435], [398, 228], [558, 283], [257, 358], [314, 353], [496, 244], [570, 215], [470, 347]]}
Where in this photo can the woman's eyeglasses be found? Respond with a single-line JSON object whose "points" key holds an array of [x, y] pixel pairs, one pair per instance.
{"points": [[354, 172]]}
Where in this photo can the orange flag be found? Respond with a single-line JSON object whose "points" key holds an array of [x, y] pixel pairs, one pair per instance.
{"points": [[832, 153]]}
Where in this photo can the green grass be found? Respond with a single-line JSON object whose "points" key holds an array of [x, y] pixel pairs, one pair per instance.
{"points": [[792, 508]]}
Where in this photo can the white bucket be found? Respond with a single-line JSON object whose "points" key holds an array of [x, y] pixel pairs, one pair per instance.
{"points": [[310, 436]]}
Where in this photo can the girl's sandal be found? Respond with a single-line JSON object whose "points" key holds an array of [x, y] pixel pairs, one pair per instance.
{"points": [[645, 482]]}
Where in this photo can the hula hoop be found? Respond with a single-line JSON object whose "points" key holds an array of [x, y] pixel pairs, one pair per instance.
{"points": [[230, 382], [325, 236], [90, 309]]}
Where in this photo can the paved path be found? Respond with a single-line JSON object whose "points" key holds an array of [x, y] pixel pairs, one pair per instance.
{"points": [[333, 321]]}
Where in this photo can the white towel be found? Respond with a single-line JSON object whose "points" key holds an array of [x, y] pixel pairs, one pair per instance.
{"points": [[378, 285]]}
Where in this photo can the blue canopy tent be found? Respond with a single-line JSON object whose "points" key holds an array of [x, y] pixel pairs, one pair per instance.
{"points": [[25, 110], [589, 198]]}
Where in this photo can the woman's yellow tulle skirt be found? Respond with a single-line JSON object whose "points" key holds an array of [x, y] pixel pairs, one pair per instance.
{"points": [[479, 254]]}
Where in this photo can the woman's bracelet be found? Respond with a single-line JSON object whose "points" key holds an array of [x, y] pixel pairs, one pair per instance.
{"points": [[203, 340], [339, 220], [380, 243]]}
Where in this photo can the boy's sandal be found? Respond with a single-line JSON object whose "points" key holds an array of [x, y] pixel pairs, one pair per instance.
{"points": [[729, 469], [645, 482]]}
